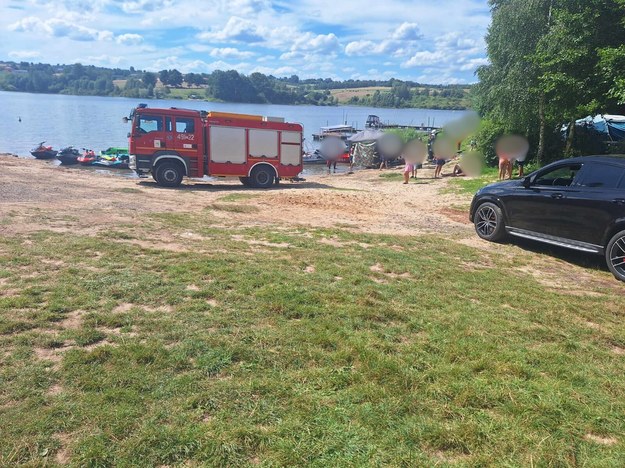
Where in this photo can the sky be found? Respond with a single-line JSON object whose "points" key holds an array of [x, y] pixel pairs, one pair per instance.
{"points": [[435, 41]]}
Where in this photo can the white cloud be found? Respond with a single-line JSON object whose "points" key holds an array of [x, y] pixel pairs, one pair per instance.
{"points": [[473, 64], [24, 54], [247, 7], [320, 43], [360, 48], [104, 60], [129, 39], [424, 59], [236, 29], [230, 52], [402, 43], [408, 32], [280, 71], [142, 6], [59, 27]]}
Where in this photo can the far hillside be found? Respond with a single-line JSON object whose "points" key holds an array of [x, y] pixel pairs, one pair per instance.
{"points": [[227, 86], [423, 96]]}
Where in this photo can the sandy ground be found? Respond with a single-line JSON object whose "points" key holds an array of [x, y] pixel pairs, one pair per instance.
{"points": [[37, 195], [361, 201]]}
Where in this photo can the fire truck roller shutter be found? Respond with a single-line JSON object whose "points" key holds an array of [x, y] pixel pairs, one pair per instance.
{"points": [[227, 145], [263, 143], [291, 149]]}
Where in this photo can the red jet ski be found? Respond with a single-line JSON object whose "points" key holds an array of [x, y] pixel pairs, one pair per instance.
{"points": [[87, 158]]}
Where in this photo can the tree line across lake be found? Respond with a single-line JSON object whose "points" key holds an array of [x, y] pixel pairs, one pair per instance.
{"points": [[227, 86]]}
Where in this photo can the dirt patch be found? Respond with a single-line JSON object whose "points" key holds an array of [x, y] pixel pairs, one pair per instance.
{"points": [[309, 269], [618, 350], [458, 216], [333, 242], [600, 440], [123, 308], [55, 356], [56, 389], [377, 268], [73, 320], [117, 332], [9, 293], [449, 457], [63, 454], [594, 326]]}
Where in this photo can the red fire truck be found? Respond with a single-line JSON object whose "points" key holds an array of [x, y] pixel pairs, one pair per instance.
{"points": [[173, 143]]}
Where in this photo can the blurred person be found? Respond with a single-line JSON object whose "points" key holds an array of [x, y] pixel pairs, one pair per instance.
{"points": [[440, 162], [408, 170], [505, 166]]}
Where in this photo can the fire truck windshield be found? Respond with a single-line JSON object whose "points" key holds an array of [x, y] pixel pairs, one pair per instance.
{"points": [[149, 123]]}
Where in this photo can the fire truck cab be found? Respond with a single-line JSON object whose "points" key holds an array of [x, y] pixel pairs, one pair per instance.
{"points": [[173, 143]]}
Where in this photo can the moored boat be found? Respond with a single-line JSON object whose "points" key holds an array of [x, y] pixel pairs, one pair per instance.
{"points": [[120, 162], [68, 155], [43, 152], [87, 158], [114, 151]]}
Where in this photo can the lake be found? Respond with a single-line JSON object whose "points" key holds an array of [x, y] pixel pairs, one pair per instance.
{"points": [[96, 122]]}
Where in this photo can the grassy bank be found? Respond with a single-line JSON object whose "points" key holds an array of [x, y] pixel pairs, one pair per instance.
{"points": [[297, 347]]}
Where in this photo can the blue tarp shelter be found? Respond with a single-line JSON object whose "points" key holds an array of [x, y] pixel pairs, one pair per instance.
{"points": [[612, 126]]}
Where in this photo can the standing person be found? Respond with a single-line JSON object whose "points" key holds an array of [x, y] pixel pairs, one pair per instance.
{"points": [[408, 169], [415, 168], [521, 165], [440, 162], [352, 152], [505, 166], [329, 164], [383, 163]]}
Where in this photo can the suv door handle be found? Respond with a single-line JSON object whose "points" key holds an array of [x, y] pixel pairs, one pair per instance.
{"points": [[557, 195], [619, 201]]}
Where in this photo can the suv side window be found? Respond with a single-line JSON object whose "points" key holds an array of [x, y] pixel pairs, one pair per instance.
{"points": [[561, 176], [602, 176]]}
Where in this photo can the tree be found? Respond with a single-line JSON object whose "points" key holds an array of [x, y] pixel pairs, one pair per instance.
{"points": [[163, 75], [175, 77], [545, 64], [149, 79], [194, 79]]}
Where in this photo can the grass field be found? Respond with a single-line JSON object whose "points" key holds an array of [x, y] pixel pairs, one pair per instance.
{"points": [[276, 347], [344, 95]]}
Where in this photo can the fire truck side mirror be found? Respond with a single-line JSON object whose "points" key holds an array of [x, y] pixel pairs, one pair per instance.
{"points": [[126, 119]]}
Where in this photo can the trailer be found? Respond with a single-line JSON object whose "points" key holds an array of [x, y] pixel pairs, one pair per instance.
{"points": [[173, 143]]}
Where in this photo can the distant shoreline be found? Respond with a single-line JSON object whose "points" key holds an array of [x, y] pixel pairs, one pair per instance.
{"points": [[178, 98]]}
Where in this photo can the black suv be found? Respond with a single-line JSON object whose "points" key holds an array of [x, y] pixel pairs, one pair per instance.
{"points": [[577, 203]]}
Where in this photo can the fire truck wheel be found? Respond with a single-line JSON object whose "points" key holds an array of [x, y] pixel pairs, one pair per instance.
{"points": [[245, 181], [262, 176], [168, 174]]}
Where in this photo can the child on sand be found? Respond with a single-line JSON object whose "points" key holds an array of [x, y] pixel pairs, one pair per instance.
{"points": [[408, 170]]}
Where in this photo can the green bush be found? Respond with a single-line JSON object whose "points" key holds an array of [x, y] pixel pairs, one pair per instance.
{"points": [[488, 134]]}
